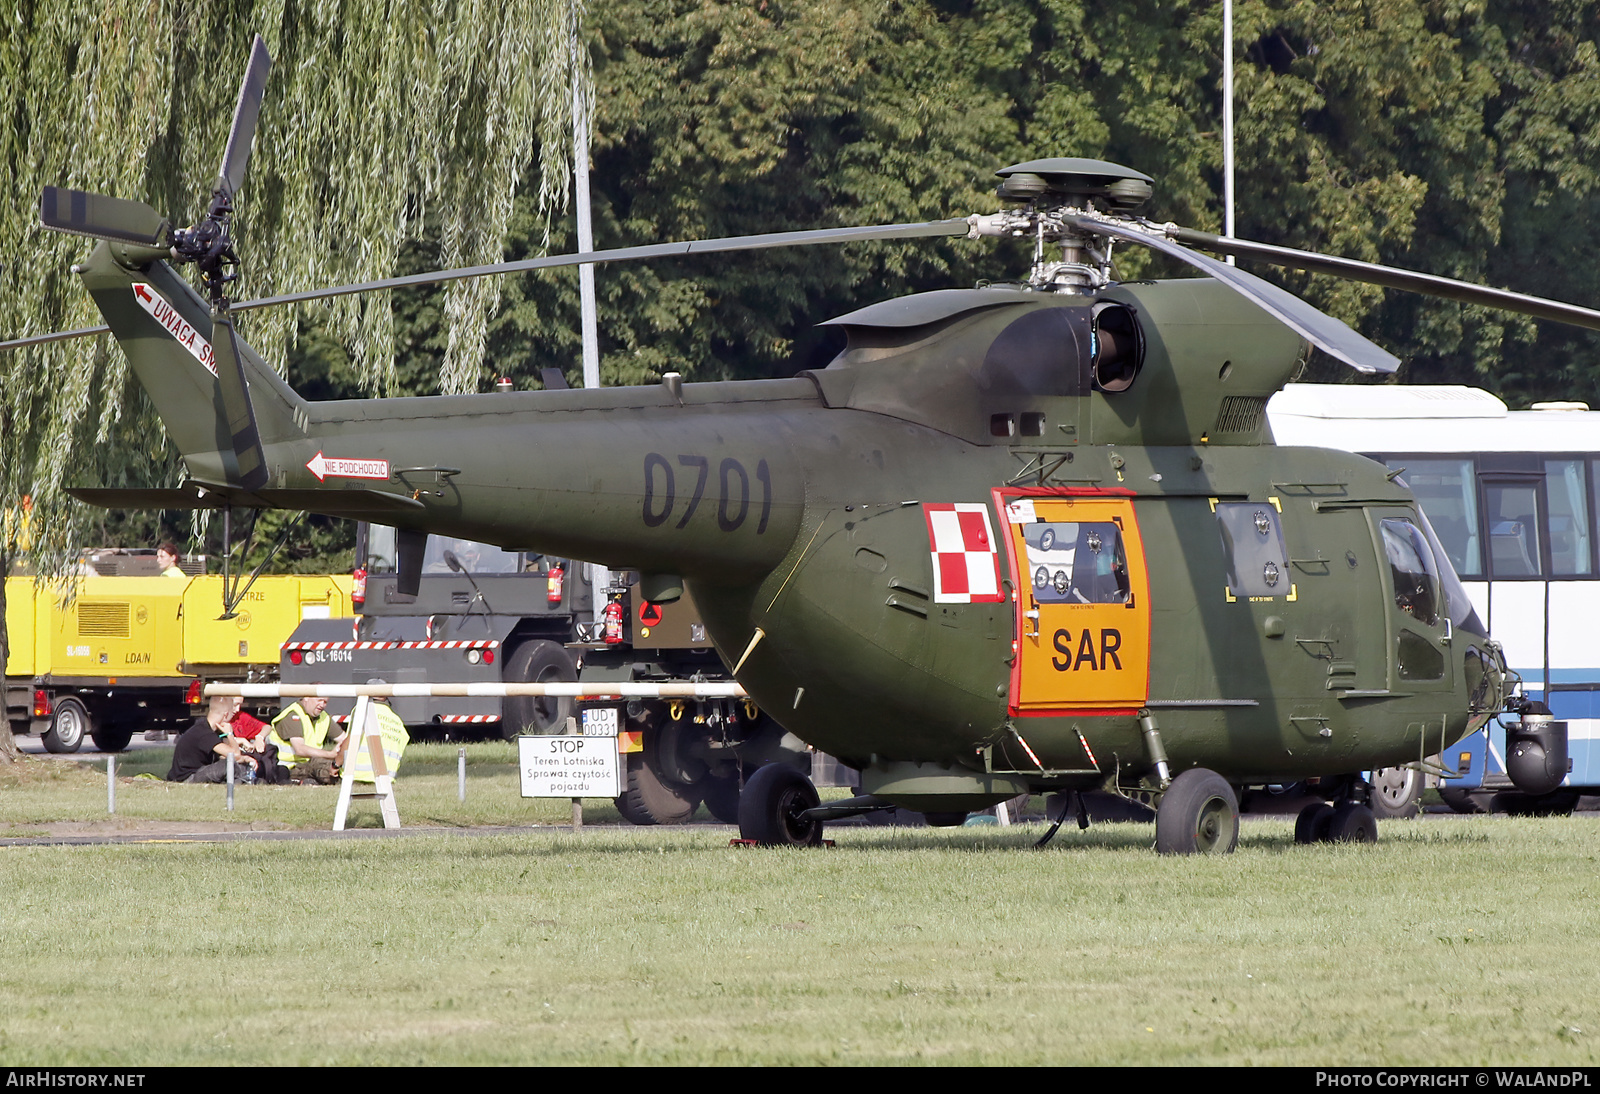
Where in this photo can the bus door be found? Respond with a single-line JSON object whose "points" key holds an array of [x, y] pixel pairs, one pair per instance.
{"points": [[1514, 509], [1083, 605]]}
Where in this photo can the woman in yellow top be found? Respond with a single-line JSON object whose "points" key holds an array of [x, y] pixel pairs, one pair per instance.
{"points": [[167, 559]]}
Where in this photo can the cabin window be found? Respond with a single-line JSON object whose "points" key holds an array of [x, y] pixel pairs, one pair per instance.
{"points": [[1002, 425], [1416, 577], [1447, 493], [1252, 543], [1077, 563], [1569, 517], [1033, 425]]}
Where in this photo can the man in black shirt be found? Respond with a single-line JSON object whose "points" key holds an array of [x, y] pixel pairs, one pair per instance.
{"points": [[201, 754]]}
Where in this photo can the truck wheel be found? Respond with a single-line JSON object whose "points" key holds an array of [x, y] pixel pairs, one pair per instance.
{"points": [[1460, 800], [1198, 814], [770, 808], [721, 796], [112, 738], [625, 805], [1396, 793], [650, 799], [537, 662], [68, 726], [1560, 803]]}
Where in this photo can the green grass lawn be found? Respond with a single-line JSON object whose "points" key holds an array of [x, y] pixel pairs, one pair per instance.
{"points": [[426, 791], [1454, 940]]}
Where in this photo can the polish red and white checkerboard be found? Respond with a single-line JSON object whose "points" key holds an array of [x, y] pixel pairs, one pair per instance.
{"points": [[966, 561]]}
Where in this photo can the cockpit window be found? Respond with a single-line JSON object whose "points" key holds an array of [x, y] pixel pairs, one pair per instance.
{"points": [[1416, 577]]}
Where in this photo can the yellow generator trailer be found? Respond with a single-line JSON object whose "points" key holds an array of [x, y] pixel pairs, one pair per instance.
{"points": [[106, 656]]}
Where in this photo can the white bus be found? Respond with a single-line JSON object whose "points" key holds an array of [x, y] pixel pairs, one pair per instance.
{"points": [[1512, 496]]}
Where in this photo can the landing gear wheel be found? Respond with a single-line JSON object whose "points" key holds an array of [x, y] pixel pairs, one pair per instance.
{"points": [[1199, 814], [770, 808], [537, 662], [721, 795], [1311, 826], [648, 798], [68, 726], [945, 819], [1396, 793], [1352, 822], [1460, 800], [112, 738]]}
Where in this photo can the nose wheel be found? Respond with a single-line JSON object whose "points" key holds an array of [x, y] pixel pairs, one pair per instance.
{"points": [[771, 805], [1347, 822]]}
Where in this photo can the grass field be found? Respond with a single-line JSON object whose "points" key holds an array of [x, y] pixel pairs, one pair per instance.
{"points": [[427, 793], [1454, 940]]}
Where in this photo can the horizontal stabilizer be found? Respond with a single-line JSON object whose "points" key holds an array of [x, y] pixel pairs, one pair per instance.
{"points": [[101, 217]]}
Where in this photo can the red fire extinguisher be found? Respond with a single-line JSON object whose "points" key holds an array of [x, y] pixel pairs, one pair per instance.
{"points": [[552, 585], [358, 586], [614, 622]]}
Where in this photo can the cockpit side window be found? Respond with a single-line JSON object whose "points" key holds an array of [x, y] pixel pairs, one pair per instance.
{"points": [[1416, 576]]}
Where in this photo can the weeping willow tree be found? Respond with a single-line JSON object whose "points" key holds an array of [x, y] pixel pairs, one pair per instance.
{"points": [[379, 115]]}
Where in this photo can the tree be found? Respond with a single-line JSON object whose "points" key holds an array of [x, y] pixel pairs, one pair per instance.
{"points": [[379, 114], [1449, 137]]}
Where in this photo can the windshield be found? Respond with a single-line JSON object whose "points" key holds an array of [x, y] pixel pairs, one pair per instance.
{"points": [[475, 558]]}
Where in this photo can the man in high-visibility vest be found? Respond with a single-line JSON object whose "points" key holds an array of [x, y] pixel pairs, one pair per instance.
{"points": [[391, 729], [301, 731]]}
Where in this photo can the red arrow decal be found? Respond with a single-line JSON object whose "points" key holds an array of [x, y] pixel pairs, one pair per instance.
{"points": [[142, 292]]}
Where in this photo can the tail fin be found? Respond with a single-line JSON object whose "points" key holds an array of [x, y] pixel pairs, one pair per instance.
{"points": [[165, 328]]}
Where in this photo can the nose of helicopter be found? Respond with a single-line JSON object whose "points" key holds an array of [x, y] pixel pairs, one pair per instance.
{"points": [[1485, 673]]}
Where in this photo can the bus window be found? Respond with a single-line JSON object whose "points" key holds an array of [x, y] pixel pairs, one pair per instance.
{"points": [[1569, 517], [1513, 529], [1444, 489]]}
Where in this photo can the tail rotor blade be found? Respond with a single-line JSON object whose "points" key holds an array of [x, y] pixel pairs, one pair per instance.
{"points": [[231, 175], [236, 404], [100, 217]]}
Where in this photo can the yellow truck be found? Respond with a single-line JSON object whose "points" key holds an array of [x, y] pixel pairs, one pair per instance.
{"points": [[120, 648]]}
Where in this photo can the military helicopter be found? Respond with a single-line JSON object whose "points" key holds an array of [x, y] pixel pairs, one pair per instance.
{"points": [[1020, 538]]}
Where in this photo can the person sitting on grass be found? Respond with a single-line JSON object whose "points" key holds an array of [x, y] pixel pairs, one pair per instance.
{"points": [[201, 754], [301, 731], [254, 735]]}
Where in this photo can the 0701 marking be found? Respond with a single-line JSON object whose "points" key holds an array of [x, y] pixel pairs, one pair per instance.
{"points": [[733, 491]]}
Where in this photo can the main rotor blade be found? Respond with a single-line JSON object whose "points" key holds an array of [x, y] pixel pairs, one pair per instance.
{"points": [[618, 254], [1321, 330], [245, 115], [102, 217], [1391, 277], [631, 254], [236, 403]]}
